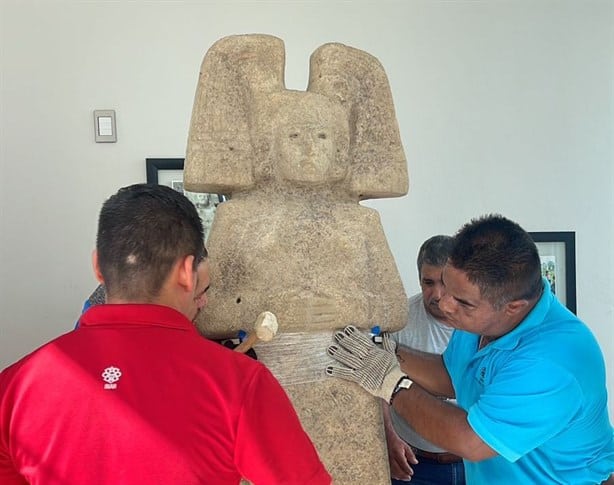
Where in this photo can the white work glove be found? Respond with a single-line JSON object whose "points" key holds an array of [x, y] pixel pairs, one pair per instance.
{"points": [[375, 369], [388, 344]]}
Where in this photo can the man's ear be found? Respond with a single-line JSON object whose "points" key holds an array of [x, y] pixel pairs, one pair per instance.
{"points": [[515, 307], [96, 266], [185, 274]]}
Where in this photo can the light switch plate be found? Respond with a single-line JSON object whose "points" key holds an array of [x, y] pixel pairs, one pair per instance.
{"points": [[104, 126]]}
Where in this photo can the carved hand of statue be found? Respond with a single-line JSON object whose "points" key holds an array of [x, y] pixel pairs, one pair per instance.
{"points": [[314, 310], [319, 310]]}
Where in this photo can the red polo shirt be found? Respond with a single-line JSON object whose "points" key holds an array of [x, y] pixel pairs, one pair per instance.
{"points": [[136, 396]]}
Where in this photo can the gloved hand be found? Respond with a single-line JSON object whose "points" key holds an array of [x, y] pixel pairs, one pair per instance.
{"points": [[375, 369], [388, 344]]}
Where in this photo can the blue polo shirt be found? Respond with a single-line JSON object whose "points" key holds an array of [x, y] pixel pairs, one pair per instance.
{"points": [[537, 396]]}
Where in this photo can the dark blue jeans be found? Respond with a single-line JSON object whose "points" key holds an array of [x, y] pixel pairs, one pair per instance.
{"points": [[429, 472]]}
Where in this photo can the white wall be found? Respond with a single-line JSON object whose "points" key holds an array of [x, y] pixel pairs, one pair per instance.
{"points": [[503, 106]]}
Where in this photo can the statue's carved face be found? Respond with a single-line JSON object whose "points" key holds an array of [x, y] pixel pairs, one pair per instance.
{"points": [[305, 152], [310, 143]]}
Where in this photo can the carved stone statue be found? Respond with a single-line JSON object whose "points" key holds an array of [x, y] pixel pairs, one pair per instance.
{"points": [[293, 238]]}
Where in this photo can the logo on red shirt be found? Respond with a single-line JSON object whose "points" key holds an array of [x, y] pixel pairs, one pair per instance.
{"points": [[110, 376]]}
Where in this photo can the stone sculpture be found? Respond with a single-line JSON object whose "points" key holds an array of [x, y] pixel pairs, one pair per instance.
{"points": [[293, 238]]}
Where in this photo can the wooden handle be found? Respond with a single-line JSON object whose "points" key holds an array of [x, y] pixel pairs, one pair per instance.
{"points": [[247, 343]]}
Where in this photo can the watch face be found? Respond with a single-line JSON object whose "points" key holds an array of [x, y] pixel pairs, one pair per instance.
{"points": [[405, 383]]}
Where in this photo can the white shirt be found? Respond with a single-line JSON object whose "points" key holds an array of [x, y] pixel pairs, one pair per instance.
{"points": [[422, 332]]}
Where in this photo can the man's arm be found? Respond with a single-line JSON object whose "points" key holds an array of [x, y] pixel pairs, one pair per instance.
{"points": [[441, 423], [8, 474], [400, 454], [378, 371], [427, 370]]}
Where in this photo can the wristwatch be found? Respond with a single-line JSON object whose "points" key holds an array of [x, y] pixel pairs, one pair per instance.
{"points": [[404, 383]]}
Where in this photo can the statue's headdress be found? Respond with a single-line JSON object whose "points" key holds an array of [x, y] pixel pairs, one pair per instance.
{"points": [[241, 84]]}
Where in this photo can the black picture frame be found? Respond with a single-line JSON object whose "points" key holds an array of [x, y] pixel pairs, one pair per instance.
{"points": [[169, 172], [153, 167], [557, 251]]}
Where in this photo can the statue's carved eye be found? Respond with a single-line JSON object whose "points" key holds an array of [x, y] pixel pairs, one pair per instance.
{"points": [[293, 135], [322, 136]]}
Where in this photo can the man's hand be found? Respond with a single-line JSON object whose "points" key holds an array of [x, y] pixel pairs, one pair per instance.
{"points": [[388, 344], [400, 455], [376, 370]]}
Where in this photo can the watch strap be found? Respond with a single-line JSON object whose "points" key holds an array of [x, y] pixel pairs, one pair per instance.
{"points": [[403, 383]]}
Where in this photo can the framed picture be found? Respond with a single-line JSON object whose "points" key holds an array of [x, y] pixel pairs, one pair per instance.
{"points": [[169, 172], [557, 252]]}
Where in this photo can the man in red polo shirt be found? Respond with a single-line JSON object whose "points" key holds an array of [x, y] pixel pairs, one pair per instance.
{"points": [[135, 395]]}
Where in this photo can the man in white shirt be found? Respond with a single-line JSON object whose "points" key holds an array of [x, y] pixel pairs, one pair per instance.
{"points": [[411, 456]]}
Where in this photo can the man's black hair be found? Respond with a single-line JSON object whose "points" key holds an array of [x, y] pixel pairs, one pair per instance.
{"points": [[143, 230], [434, 251], [500, 257]]}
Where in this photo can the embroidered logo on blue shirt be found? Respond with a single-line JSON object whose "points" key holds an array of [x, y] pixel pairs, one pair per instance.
{"points": [[482, 376]]}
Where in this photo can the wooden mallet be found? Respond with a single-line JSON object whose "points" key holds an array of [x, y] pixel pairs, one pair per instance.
{"points": [[264, 330]]}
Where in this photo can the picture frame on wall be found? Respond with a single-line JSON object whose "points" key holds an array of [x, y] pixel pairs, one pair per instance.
{"points": [[169, 172], [557, 252]]}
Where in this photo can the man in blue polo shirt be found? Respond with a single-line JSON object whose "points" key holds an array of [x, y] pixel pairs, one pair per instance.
{"points": [[528, 375]]}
